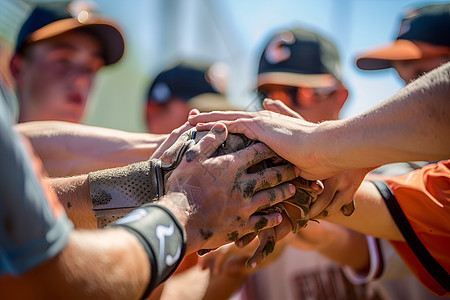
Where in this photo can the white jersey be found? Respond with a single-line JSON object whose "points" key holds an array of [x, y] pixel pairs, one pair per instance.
{"points": [[300, 275]]}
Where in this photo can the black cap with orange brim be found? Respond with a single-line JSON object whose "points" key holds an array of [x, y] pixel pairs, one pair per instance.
{"points": [[424, 33], [53, 19], [298, 57]]}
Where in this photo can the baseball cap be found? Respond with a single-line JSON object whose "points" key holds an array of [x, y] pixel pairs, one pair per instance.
{"points": [[184, 81], [424, 33], [53, 19], [299, 58]]}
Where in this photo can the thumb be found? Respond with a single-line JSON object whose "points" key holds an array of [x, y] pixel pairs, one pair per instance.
{"points": [[279, 107]]}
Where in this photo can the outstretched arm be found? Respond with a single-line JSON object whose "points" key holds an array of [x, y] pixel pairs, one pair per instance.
{"points": [[411, 125], [68, 149]]}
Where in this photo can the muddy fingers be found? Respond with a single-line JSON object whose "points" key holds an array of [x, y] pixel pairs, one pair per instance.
{"points": [[266, 246]]}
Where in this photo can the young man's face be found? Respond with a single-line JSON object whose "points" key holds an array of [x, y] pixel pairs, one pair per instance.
{"points": [[314, 105], [410, 70], [163, 118], [56, 76]]}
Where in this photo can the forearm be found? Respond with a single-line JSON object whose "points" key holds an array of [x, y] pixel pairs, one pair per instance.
{"points": [[97, 264], [68, 149], [348, 248], [74, 195], [340, 244], [411, 125], [371, 215]]}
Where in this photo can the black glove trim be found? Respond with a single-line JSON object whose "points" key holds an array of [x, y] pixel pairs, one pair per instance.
{"points": [[162, 236]]}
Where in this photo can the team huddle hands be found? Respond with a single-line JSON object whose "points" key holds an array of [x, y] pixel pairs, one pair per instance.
{"points": [[235, 168], [241, 189], [222, 196], [226, 187], [246, 185]]}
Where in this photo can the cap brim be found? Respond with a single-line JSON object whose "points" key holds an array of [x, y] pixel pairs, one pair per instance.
{"points": [[111, 37], [399, 50], [295, 79]]}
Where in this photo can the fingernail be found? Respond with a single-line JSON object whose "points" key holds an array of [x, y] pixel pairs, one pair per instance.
{"points": [[279, 218], [218, 128], [292, 188]]}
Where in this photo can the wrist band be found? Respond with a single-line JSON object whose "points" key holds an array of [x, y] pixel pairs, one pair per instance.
{"points": [[116, 192], [162, 236]]}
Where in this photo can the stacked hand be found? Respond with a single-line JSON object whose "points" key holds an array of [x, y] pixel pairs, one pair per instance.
{"points": [[222, 196], [280, 123]]}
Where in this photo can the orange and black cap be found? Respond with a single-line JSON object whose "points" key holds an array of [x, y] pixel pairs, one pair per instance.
{"points": [[299, 58], [424, 33], [53, 19]]}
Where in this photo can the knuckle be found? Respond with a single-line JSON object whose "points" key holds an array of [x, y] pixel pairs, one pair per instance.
{"points": [[209, 138]]}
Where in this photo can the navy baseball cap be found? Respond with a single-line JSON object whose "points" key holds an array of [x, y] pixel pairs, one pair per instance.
{"points": [[424, 33], [299, 58], [53, 19], [183, 81]]}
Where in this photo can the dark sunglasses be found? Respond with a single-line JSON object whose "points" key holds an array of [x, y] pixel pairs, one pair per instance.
{"points": [[292, 93]]}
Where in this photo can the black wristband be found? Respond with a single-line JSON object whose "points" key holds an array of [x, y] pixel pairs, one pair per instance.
{"points": [[162, 236]]}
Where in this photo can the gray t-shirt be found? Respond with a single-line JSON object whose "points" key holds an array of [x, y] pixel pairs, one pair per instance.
{"points": [[32, 230]]}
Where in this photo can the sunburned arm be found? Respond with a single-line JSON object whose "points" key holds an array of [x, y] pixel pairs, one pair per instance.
{"points": [[371, 215], [68, 149]]}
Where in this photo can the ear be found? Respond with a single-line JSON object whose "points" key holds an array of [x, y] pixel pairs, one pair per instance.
{"points": [[16, 65]]}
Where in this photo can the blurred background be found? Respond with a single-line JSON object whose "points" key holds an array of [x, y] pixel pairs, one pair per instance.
{"points": [[159, 32]]}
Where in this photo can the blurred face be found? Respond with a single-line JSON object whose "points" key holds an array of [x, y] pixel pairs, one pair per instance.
{"points": [[163, 118], [410, 70], [55, 77], [315, 105]]}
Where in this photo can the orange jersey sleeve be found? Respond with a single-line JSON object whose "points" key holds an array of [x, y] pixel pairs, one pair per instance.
{"points": [[422, 200]]}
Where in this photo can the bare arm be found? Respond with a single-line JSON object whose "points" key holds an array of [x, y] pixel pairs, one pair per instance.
{"points": [[342, 245], [68, 149], [73, 193], [94, 265], [411, 125]]}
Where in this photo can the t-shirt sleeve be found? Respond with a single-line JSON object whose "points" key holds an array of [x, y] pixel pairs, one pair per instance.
{"points": [[34, 226], [419, 203]]}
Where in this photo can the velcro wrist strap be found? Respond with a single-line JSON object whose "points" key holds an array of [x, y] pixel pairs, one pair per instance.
{"points": [[162, 236], [116, 192]]}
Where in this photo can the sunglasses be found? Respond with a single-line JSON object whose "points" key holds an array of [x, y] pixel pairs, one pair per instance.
{"points": [[295, 96]]}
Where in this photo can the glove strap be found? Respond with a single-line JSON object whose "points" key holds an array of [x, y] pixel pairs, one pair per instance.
{"points": [[162, 236]]}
